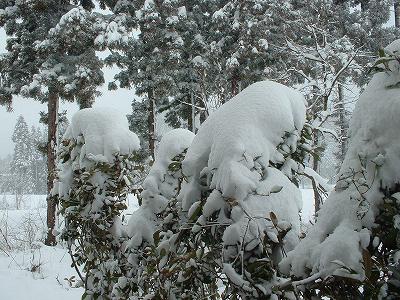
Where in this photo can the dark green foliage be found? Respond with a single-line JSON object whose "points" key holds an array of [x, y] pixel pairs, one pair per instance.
{"points": [[138, 124]]}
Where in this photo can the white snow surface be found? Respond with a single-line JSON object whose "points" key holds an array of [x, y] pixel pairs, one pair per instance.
{"points": [[105, 131], [159, 186], [343, 225], [39, 273]]}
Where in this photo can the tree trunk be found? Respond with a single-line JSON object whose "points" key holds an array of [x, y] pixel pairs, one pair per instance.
{"points": [[52, 106], [235, 83], [342, 124], [193, 113], [397, 13], [151, 122], [317, 195]]}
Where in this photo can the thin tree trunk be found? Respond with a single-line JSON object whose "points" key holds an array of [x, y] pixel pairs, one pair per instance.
{"points": [[151, 122], [193, 111], [235, 84], [342, 123], [52, 106], [397, 13], [317, 195], [315, 165]]}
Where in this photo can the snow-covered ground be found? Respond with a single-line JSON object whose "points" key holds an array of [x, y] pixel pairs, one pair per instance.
{"points": [[31, 270], [38, 273]]}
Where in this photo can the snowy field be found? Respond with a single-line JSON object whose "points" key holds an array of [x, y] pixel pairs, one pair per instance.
{"points": [[31, 270]]}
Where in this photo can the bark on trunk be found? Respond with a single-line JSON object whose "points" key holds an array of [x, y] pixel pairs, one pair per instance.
{"points": [[193, 113], [151, 122], [317, 195], [342, 120], [52, 106], [235, 85], [397, 13]]}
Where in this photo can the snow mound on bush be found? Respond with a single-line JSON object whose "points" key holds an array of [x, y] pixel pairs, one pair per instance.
{"points": [[231, 156], [372, 164], [98, 133], [105, 132], [239, 140], [160, 185]]}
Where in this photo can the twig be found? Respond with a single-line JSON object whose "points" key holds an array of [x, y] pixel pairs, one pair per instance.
{"points": [[74, 264]]}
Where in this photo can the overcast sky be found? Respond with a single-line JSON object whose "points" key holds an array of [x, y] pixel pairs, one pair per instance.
{"points": [[120, 99]]}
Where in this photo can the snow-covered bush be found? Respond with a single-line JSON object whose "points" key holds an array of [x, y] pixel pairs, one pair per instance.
{"points": [[162, 184], [97, 160], [160, 189], [356, 239], [237, 211]]}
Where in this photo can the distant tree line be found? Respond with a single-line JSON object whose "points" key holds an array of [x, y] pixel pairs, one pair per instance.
{"points": [[24, 171]]}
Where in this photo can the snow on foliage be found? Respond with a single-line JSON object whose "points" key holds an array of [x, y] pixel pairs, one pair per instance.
{"points": [[97, 134], [235, 187], [105, 132], [161, 184], [349, 219], [235, 144], [97, 169], [223, 211]]}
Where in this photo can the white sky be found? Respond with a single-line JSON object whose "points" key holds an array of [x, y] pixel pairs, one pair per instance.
{"points": [[120, 99]]}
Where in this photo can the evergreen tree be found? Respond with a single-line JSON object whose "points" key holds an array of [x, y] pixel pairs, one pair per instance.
{"points": [[39, 162], [136, 124], [21, 172], [224, 48], [5, 168], [146, 61], [180, 60]]}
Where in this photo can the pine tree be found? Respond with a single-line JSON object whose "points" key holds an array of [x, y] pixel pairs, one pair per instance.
{"points": [[224, 48], [39, 162], [21, 172], [5, 169], [136, 124], [184, 59]]}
